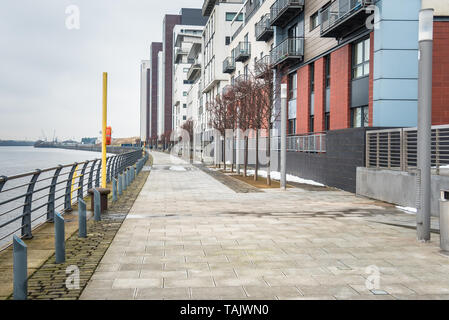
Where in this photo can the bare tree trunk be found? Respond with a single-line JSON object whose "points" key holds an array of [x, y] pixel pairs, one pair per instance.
{"points": [[233, 153], [256, 168], [246, 158]]}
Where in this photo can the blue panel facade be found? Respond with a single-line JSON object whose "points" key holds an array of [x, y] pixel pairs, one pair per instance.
{"points": [[395, 87]]}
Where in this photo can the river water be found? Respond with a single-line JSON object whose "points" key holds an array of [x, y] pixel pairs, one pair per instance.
{"points": [[18, 160]]}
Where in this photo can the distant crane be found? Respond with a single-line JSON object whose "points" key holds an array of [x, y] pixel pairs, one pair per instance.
{"points": [[44, 137]]}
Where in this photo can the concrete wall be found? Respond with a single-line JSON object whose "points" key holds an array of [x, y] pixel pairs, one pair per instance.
{"points": [[397, 187]]}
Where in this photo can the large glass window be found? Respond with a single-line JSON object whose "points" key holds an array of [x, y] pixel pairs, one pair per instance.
{"points": [[292, 86], [360, 117], [314, 21], [291, 126], [230, 16], [312, 98], [361, 59]]}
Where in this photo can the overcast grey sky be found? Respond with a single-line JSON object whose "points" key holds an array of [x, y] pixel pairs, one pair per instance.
{"points": [[50, 76]]}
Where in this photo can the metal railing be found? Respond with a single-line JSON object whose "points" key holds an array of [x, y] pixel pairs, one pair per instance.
{"points": [[280, 6], [397, 148], [242, 51], [289, 48], [241, 78], [339, 10], [313, 143], [30, 199], [229, 65], [263, 26], [260, 67]]}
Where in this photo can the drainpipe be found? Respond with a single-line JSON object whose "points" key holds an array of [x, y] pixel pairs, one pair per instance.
{"points": [[424, 124]]}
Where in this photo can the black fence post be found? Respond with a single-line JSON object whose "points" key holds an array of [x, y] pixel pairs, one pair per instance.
{"points": [[26, 219], [51, 195], [108, 174], [97, 178], [81, 180], [3, 180], [68, 189], [91, 174]]}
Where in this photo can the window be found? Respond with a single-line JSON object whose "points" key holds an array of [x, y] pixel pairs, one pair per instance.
{"points": [[360, 117], [328, 70], [292, 86], [311, 123], [185, 70], [291, 126], [184, 93], [184, 105], [327, 121], [312, 77], [230, 16], [314, 21], [312, 98], [360, 59], [227, 41], [327, 96], [184, 117]]}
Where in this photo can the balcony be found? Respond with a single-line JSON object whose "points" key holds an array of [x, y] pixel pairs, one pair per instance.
{"points": [[283, 11], [242, 52], [229, 65], [289, 51], [241, 78], [343, 17], [194, 71], [264, 30], [179, 53], [208, 6], [262, 66]]}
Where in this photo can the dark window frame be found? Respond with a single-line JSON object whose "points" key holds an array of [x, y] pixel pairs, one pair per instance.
{"points": [[365, 62]]}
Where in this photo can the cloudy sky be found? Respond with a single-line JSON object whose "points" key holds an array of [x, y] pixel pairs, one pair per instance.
{"points": [[50, 76]]}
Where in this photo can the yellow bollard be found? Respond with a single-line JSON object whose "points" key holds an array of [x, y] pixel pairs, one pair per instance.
{"points": [[103, 130]]}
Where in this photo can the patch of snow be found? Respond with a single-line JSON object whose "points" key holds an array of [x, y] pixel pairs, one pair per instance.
{"points": [[408, 210], [277, 176], [177, 168]]}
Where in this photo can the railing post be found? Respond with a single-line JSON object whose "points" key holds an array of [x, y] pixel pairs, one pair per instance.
{"points": [[51, 195], [26, 219], [114, 189], [20, 269], [67, 199], [97, 205], [402, 150], [367, 149], [120, 184], [3, 180], [81, 180], [97, 178], [91, 174], [108, 170], [405, 134], [59, 238], [82, 219]]}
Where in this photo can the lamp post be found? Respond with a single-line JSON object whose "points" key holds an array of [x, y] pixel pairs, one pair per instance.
{"points": [[283, 136], [424, 123]]}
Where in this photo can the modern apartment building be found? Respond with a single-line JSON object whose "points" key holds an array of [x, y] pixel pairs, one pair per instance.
{"points": [[145, 87], [155, 48], [185, 37], [344, 68], [216, 41]]}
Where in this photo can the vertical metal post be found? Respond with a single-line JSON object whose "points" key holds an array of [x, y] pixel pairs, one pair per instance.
{"points": [[82, 219], [402, 150], [59, 238], [437, 150], [367, 150], [51, 195], [91, 174], [68, 189], [120, 184], [108, 170], [378, 150], [26, 219], [103, 129], [81, 180], [97, 205], [97, 178], [283, 136], [3, 180], [20, 269], [389, 150], [114, 189], [425, 122]]}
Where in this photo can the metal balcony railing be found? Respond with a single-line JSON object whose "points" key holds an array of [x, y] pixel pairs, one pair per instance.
{"points": [[241, 78], [261, 66], [264, 30], [229, 65], [283, 11], [340, 11], [397, 148], [30, 199], [243, 51], [289, 49]]}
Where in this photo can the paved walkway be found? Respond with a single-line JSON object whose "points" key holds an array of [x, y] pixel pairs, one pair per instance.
{"points": [[190, 237]]}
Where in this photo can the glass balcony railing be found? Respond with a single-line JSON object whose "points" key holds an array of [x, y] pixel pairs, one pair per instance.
{"points": [[242, 52], [264, 30], [289, 50], [343, 16], [229, 65], [283, 11]]}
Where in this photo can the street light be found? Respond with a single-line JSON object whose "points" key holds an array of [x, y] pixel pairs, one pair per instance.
{"points": [[424, 124]]}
